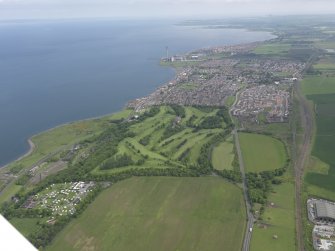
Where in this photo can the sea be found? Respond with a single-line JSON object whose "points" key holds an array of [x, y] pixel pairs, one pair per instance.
{"points": [[54, 72]]}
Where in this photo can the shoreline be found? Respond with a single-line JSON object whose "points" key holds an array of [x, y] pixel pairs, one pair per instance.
{"points": [[31, 149], [32, 146]]}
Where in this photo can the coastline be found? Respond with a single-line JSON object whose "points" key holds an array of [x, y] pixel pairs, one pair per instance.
{"points": [[31, 149], [32, 146]]}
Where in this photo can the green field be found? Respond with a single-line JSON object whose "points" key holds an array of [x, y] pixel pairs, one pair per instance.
{"points": [[160, 214], [262, 153], [230, 101], [223, 155], [321, 173], [8, 192], [189, 86], [318, 85], [26, 226], [276, 49], [278, 220], [66, 135]]}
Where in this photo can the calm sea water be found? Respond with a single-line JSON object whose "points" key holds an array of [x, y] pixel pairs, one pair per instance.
{"points": [[61, 71]]}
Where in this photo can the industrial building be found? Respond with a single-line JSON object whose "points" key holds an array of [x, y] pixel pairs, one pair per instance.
{"points": [[324, 211]]}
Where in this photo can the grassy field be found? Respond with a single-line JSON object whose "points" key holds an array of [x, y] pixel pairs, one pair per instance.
{"points": [[8, 192], [320, 175], [326, 64], [223, 155], [189, 86], [230, 101], [26, 226], [318, 85], [262, 153], [278, 220], [150, 213], [276, 49], [66, 135]]}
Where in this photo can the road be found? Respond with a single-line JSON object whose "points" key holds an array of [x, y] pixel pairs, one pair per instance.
{"points": [[302, 154], [250, 216]]}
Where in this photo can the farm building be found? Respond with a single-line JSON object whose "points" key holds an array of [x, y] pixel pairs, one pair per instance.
{"points": [[324, 211]]}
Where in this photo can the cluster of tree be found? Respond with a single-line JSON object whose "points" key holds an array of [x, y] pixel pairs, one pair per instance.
{"points": [[223, 112], [235, 163], [145, 140], [153, 111], [260, 184], [10, 211], [16, 168], [171, 130], [258, 188], [312, 71], [190, 121], [168, 142], [232, 175], [179, 110], [116, 121], [211, 122], [185, 155], [181, 144], [206, 109], [204, 159], [23, 179], [116, 161], [191, 171]]}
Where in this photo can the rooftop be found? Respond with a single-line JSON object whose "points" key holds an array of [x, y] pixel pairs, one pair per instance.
{"points": [[325, 209]]}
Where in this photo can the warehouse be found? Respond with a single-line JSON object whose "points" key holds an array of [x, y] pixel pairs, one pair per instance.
{"points": [[324, 211]]}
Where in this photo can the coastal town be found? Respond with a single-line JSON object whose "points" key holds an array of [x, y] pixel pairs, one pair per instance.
{"points": [[214, 77]]}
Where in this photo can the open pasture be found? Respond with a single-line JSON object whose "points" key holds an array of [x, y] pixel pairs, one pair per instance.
{"points": [[276, 231], [318, 85], [322, 183], [261, 152], [160, 214], [223, 155]]}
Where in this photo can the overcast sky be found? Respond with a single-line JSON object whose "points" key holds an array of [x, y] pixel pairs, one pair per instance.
{"points": [[17, 9]]}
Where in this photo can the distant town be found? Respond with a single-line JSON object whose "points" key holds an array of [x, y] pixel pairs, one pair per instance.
{"points": [[214, 77]]}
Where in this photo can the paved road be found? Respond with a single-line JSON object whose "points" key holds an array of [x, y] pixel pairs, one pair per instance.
{"points": [[300, 160], [250, 216]]}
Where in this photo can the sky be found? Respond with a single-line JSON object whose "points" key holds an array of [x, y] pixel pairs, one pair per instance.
{"points": [[35, 9]]}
